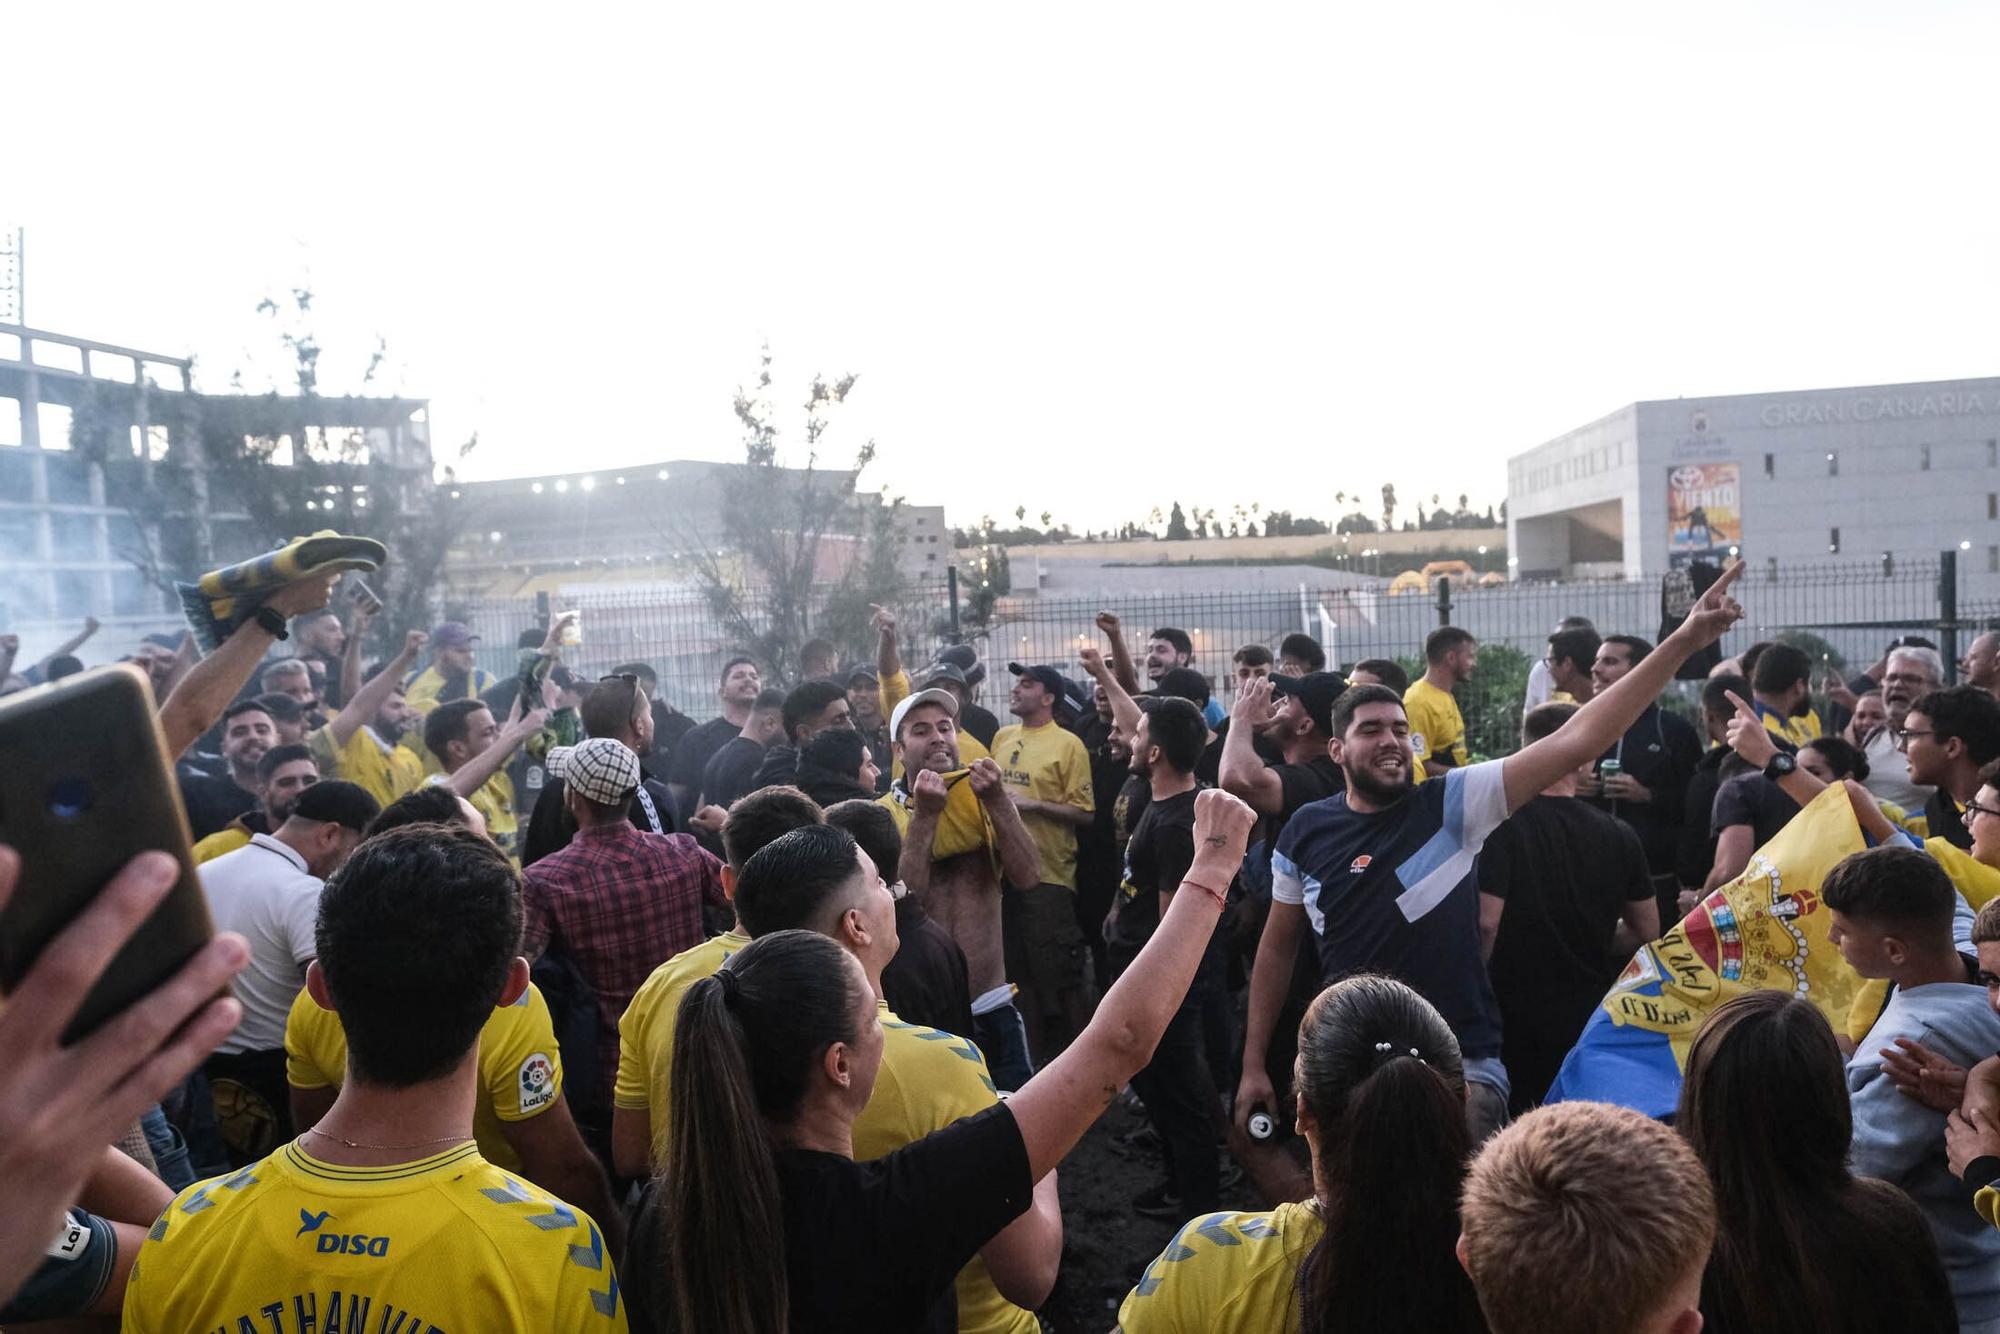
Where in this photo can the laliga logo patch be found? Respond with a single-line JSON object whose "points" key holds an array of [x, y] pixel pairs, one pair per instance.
{"points": [[538, 1082], [1359, 864]]}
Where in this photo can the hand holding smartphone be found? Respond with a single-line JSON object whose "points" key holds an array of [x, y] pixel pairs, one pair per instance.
{"points": [[87, 788]]}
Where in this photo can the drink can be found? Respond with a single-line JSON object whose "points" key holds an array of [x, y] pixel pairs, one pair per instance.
{"points": [[1263, 1127]]}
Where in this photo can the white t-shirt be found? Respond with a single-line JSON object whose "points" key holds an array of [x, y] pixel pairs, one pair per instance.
{"points": [[1541, 685], [264, 893], [1889, 775]]}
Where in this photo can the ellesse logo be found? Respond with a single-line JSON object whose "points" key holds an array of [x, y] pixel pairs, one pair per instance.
{"points": [[1359, 864]]}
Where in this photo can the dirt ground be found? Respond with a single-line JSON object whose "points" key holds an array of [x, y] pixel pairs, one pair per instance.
{"points": [[1106, 1244]]}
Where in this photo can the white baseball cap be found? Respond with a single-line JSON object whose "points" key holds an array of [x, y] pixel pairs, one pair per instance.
{"points": [[944, 699]]}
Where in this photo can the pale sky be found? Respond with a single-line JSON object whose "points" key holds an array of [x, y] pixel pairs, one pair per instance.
{"points": [[1086, 258]]}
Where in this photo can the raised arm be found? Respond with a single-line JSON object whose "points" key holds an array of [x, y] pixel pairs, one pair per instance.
{"points": [[1749, 738], [70, 645], [350, 658], [1599, 724], [474, 773], [1243, 772], [1054, 1108], [366, 702], [1121, 656], [888, 659], [196, 704], [1020, 860], [1124, 709]]}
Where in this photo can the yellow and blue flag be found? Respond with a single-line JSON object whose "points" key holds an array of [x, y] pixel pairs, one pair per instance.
{"points": [[1765, 929]]}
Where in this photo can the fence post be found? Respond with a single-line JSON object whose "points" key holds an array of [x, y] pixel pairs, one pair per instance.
{"points": [[951, 586], [1948, 614], [1444, 599], [542, 609]]}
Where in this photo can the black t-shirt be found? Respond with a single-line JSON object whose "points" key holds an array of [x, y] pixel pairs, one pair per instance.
{"points": [[1754, 800], [694, 750], [1097, 842], [1946, 819], [926, 983], [980, 722], [729, 771], [669, 726], [1157, 858], [1299, 786], [873, 1247], [1566, 870], [1659, 751], [213, 802], [1209, 768], [1134, 795], [1696, 857]]}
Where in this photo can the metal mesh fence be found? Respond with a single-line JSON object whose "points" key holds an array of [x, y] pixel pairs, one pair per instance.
{"points": [[1843, 613]]}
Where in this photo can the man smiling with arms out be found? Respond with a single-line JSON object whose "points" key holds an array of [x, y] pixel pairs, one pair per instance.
{"points": [[1382, 874]]}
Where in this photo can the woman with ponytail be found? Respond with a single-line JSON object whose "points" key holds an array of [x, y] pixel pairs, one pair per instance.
{"points": [[1381, 1103], [764, 1222]]}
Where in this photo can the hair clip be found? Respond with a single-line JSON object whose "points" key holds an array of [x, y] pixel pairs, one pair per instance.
{"points": [[1381, 1046]]}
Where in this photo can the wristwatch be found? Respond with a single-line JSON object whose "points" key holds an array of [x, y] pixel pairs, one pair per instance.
{"points": [[1784, 762], [273, 621]]}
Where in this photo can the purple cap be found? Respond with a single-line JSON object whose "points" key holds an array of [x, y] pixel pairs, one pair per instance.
{"points": [[453, 634]]}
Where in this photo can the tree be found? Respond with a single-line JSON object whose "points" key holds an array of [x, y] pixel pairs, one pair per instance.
{"points": [[1177, 526], [1388, 505], [249, 472], [763, 582], [1357, 522]]}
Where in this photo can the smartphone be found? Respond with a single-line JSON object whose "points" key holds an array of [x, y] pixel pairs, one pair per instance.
{"points": [[88, 786], [363, 596]]}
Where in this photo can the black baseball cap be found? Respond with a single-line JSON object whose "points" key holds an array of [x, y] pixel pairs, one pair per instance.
{"points": [[1316, 691], [1051, 679]]}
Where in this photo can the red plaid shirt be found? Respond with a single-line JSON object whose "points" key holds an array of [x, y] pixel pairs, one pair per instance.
{"points": [[619, 903]]}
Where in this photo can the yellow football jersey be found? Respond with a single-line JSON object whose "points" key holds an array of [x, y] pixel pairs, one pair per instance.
{"points": [[384, 772], [520, 1067], [1805, 727], [1437, 728], [495, 803], [929, 1079], [646, 1029], [1226, 1274], [220, 843], [291, 1244], [1047, 763]]}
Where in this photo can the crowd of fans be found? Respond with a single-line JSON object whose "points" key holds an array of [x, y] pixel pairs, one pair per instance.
{"points": [[549, 1007]]}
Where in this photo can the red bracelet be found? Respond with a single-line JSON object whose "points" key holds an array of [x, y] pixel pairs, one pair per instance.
{"points": [[1211, 891]]}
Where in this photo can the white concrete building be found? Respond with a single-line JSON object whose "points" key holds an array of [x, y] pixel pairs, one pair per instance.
{"points": [[1907, 469]]}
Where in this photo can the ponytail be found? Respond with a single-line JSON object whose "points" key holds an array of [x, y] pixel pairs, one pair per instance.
{"points": [[725, 1222], [745, 1044], [1382, 1077]]}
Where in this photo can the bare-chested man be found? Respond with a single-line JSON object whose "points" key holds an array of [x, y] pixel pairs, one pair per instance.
{"points": [[963, 844]]}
